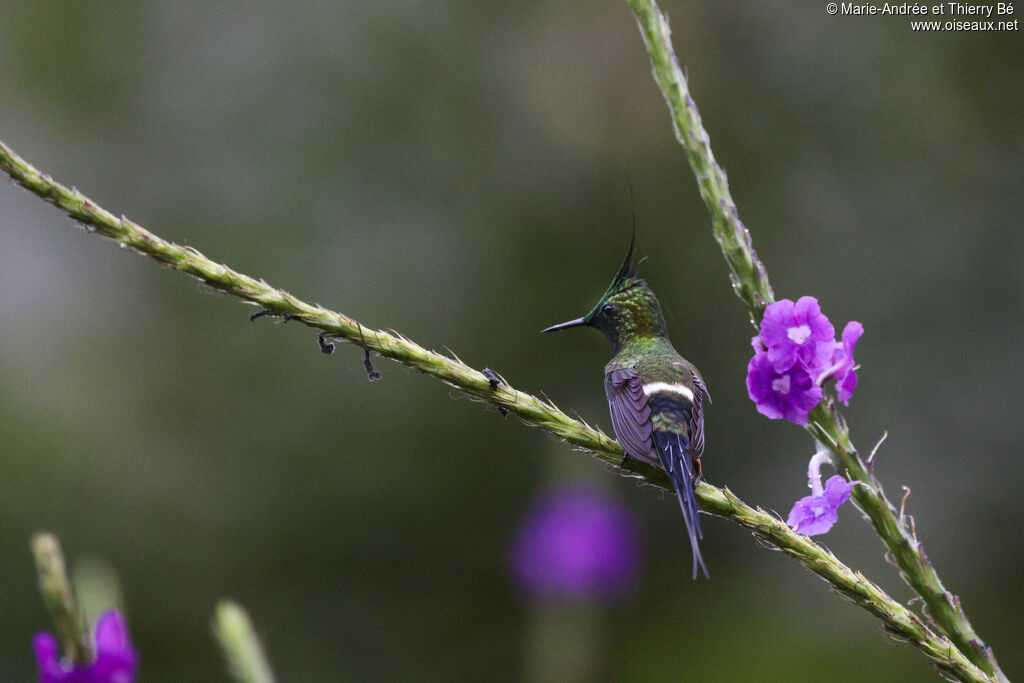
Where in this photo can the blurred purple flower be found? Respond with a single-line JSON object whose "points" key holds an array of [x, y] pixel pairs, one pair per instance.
{"points": [[843, 364], [114, 661], [815, 514], [576, 543], [797, 332], [790, 394]]}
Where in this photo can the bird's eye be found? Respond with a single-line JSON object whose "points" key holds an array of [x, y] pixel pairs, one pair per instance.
{"points": [[608, 308]]}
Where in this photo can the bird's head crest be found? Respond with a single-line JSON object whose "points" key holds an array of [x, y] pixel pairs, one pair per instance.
{"points": [[627, 308]]}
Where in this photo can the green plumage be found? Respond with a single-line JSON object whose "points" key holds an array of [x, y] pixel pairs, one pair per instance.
{"points": [[655, 360]]}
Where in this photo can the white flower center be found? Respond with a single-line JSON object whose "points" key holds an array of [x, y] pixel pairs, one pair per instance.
{"points": [[799, 334], [781, 385]]}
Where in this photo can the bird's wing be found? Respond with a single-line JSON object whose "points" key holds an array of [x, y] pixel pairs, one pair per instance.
{"points": [[631, 417], [697, 417]]}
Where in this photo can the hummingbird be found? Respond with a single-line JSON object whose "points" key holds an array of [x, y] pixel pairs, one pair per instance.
{"points": [[655, 396]]}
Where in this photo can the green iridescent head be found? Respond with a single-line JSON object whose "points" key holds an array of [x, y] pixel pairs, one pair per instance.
{"points": [[627, 310]]}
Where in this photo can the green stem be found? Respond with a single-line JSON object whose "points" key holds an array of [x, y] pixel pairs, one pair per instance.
{"points": [[827, 425], [388, 343], [60, 598], [898, 620], [747, 273], [750, 281]]}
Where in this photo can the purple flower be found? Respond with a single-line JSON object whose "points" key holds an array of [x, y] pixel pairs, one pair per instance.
{"points": [[576, 543], [797, 332], [815, 514], [790, 394], [794, 354], [843, 365], [114, 661]]}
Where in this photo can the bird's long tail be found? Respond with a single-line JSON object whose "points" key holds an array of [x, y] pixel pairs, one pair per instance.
{"points": [[673, 450]]}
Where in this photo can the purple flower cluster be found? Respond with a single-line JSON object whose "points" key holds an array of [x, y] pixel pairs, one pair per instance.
{"points": [[114, 661], [576, 543], [794, 354]]}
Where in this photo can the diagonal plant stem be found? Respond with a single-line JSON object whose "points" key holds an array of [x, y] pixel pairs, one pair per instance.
{"points": [[389, 343], [750, 281], [746, 272], [897, 620]]}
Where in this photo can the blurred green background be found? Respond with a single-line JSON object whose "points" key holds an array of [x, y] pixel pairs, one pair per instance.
{"points": [[456, 171]]}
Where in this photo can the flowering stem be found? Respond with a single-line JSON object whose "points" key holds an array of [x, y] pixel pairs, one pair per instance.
{"points": [[748, 275], [59, 598], [750, 281], [240, 645], [898, 620], [826, 423]]}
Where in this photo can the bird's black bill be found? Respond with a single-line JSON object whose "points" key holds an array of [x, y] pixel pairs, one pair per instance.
{"points": [[561, 326]]}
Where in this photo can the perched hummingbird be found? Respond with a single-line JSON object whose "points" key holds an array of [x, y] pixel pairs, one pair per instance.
{"points": [[656, 396]]}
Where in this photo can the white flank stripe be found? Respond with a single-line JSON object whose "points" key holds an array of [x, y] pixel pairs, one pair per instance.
{"points": [[681, 389]]}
